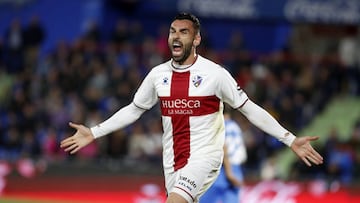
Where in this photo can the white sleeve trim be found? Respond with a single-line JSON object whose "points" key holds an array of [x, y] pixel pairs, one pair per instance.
{"points": [[263, 120], [120, 119]]}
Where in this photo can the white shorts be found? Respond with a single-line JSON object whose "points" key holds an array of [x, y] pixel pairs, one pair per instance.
{"points": [[193, 179]]}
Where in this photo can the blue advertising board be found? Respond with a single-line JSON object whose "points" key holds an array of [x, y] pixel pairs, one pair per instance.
{"points": [[310, 11]]}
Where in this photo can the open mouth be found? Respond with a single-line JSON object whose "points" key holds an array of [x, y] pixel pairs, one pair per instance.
{"points": [[177, 46]]}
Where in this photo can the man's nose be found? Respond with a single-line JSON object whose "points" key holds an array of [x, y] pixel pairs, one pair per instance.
{"points": [[176, 35]]}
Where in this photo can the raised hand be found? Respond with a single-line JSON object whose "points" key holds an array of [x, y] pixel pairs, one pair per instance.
{"points": [[302, 148], [81, 138]]}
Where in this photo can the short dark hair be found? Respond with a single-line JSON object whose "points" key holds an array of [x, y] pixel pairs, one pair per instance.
{"points": [[191, 17]]}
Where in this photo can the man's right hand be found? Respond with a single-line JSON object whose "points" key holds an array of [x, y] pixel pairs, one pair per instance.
{"points": [[80, 139]]}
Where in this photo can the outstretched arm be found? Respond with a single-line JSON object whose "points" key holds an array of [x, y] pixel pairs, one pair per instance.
{"points": [[85, 135], [263, 120]]}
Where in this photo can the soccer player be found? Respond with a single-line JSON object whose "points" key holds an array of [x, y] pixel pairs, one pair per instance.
{"points": [[226, 188], [190, 90]]}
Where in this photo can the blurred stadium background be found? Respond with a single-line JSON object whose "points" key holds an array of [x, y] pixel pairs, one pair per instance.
{"points": [[82, 60]]}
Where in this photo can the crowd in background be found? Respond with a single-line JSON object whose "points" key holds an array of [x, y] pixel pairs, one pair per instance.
{"points": [[87, 80]]}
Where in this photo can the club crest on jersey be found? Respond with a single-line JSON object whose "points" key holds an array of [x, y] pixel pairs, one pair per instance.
{"points": [[197, 80], [165, 81]]}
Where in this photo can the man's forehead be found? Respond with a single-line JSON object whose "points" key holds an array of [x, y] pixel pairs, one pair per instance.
{"points": [[182, 24]]}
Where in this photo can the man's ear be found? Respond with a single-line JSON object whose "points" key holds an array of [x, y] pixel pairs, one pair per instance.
{"points": [[197, 40]]}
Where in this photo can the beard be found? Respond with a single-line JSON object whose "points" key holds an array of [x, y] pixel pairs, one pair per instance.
{"points": [[185, 54]]}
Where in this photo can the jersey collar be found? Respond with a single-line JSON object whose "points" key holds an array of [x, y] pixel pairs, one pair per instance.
{"points": [[182, 68]]}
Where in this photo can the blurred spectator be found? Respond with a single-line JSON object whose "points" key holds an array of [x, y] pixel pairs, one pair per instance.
{"points": [[30, 145], [237, 55], [5, 169], [354, 143], [340, 165], [331, 141], [92, 32], [12, 142], [117, 145], [126, 57], [120, 34], [162, 42], [137, 33], [34, 32], [14, 42], [34, 36], [137, 142], [2, 51], [151, 56], [153, 145], [348, 53], [269, 170], [15, 36], [6, 83], [49, 145]]}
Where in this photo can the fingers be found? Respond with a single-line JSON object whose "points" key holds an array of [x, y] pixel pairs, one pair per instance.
{"points": [[71, 148], [312, 138], [66, 142], [311, 156], [312, 159], [77, 148], [74, 125], [318, 159], [70, 144], [306, 161]]}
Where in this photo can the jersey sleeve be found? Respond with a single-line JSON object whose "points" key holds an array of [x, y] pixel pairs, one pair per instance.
{"points": [[146, 96], [229, 91], [120, 119]]}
